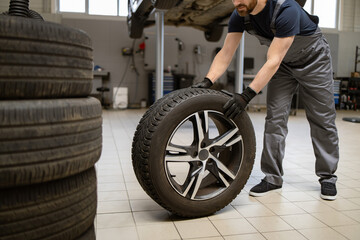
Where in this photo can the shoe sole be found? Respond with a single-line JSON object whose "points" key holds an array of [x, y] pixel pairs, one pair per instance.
{"points": [[329, 198], [255, 194]]}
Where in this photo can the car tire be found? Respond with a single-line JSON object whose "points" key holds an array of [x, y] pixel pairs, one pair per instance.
{"points": [[43, 60], [213, 170], [44, 140], [214, 33], [164, 4], [61, 209]]}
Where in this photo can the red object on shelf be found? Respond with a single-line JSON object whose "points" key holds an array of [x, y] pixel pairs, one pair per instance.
{"points": [[142, 46]]}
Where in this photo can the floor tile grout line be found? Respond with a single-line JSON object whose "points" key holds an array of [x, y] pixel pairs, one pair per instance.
{"points": [[340, 233], [122, 171], [215, 227], [326, 223]]}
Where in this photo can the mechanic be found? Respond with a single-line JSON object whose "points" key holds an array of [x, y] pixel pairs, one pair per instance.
{"points": [[298, 57]]}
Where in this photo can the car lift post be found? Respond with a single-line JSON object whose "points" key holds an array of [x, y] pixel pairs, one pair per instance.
{"points": [[239, 73], [159, 21]]}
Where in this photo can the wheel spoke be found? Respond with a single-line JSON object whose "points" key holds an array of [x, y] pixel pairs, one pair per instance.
{"points": [[198, 129], [226, 183], [188, 187], [195, 172], [206, 122], [235, 140], [193, 182], [199, 179], [176, 148], [222, 140], [179, 158], [201, 127], [223, 168], [214, 170]]}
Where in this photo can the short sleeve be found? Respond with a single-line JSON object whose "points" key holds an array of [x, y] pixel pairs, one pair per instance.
{"points": [[236, 23], [288, 22]]}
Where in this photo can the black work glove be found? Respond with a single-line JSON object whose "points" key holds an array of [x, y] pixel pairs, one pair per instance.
{"points": [[238, 103], [207, 83]]}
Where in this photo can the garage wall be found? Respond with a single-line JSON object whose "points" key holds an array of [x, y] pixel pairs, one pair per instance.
{"points": [[333, 40], [349, 37], [349, 41], [350, 15], [199, 64], [110, 36]]}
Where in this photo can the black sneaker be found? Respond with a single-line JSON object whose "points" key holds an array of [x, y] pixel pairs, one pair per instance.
{"points": [[263, 188], [328, 191]]}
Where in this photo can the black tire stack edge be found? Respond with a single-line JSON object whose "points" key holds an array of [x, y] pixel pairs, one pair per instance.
{"points": [[50, 132]]}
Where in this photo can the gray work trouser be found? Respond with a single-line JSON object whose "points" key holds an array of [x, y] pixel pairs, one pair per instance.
{"points": [[306, 66]]}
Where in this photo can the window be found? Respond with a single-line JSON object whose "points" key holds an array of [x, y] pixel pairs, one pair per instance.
{"points": [[123, 8], [326, 10], [72, 6], [95, 7], [103, 7]]}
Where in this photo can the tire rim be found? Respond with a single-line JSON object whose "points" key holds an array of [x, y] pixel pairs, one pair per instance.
{"points": [[203, 155]]}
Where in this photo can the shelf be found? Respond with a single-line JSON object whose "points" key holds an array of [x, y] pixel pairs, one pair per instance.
{"points": [[103, 74], [349, 93], [354, 91]]}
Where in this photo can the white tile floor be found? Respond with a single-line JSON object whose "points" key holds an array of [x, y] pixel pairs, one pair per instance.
{"points": [[126, 212]]}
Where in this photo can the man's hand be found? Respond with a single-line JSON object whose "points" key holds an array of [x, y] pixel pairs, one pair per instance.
{"points": [[238, 103], [207, 83]]}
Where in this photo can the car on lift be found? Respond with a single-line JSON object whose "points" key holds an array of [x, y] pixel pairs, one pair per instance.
{"points": [[205, 15]]}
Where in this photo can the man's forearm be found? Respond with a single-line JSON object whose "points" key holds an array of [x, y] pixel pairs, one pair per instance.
{"points": [[263, 77], [219, 65], [223, 59]]}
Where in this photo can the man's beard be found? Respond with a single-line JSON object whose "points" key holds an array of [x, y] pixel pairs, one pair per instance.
{"points": [[247, 9]]}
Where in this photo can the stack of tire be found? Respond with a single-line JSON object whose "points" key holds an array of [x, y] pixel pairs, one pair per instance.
{"points": [[50, 131]]}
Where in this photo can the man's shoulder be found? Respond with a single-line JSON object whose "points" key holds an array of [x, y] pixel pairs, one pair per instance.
{"points": [[235, 18], [235, 14], [289, 3], [236, 23], [289, 7]]}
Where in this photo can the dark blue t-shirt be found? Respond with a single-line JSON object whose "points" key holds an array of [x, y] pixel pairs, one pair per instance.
{"points": [[291, 20]]}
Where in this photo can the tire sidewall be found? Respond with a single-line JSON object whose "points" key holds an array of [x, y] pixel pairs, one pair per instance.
{"points": [[214, 34]]}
